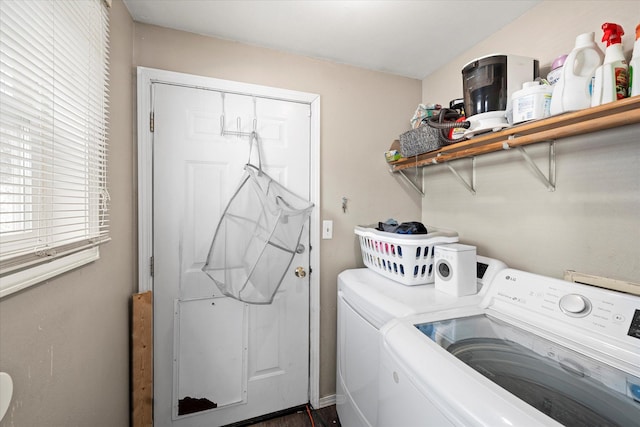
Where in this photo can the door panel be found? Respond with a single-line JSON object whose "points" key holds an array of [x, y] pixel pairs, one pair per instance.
{"points": [[198, 227], [225, 355], [249, 360]]}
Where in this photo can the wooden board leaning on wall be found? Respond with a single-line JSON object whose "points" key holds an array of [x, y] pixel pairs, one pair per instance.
{"points": [[142, 360]]}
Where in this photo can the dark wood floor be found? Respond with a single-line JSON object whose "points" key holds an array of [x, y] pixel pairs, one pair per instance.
{"points": [[323, 417]]}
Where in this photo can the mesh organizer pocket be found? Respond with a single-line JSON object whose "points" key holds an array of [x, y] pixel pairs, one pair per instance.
{"points": [[256, 238], [404, 258]]}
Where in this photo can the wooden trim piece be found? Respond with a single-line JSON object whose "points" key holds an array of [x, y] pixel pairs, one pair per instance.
{"points": [[325, 401], [142, 360], [602, 282]]}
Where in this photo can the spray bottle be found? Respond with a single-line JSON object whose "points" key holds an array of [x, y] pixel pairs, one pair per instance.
{"points": [[634, 67], [610, 81]]}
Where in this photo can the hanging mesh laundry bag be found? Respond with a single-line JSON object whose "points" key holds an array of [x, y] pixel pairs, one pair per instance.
{"points": [[257, 237]]}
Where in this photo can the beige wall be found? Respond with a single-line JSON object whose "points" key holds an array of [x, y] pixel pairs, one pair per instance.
{"points": [[66, 342], [361, 113], [591, 223], [544, 33]]}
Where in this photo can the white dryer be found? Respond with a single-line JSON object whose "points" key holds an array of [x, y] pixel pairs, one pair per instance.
{"points": [[536, 351], [366, 301]]}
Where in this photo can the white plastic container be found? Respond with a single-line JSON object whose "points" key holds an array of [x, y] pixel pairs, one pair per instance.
{"points": [[456, 269], [634, 66], [611, 82], [573, 91], [532, 102], [556, 69]]}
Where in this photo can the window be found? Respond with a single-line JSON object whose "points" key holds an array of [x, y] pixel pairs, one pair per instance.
{"points": [[53, 149]]}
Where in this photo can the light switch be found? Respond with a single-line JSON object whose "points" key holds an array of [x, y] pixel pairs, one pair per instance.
{"points": [[327, 229]]}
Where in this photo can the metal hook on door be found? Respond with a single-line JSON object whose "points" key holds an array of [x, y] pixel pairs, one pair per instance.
{"points": [[222, 115], [255, 116], [238, 132]]}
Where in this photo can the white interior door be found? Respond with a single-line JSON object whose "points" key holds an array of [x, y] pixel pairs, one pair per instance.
{"points": [[218, 360]]}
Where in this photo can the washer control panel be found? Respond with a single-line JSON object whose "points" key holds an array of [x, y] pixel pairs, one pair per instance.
{"points": [[550, 303], [487, 269], [634, 328]]}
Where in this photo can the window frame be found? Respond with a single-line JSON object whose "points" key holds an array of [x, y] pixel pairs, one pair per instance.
{"points": [[67, 174]]}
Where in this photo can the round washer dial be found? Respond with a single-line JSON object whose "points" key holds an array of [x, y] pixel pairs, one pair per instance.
{"points": [[575, 305]]}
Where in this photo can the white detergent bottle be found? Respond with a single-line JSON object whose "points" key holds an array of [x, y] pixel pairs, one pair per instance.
{"points": [[634, 66], [573, 91], [610, 81]]}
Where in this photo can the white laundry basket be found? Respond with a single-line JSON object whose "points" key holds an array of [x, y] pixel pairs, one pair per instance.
{"points": [[405, 258]]}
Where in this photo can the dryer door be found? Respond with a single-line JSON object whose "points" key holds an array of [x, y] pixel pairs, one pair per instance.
{"points": [[569, 387], [357, 367]]}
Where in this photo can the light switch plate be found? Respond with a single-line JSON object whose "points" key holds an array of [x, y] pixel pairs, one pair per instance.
{"points": [[327, 229]]}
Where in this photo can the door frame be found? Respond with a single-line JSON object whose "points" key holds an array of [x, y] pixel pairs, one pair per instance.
{"points": [[146, 77]]}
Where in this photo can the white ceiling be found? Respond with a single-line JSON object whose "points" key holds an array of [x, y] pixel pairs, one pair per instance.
{"points": [[411, 38]]}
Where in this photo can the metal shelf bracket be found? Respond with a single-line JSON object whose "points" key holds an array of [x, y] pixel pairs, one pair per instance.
{"points": [[469, 186], [548, 181], [410, 182]]}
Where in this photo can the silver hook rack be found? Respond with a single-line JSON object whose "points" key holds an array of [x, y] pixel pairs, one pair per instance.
{"points": [[238, 132]]}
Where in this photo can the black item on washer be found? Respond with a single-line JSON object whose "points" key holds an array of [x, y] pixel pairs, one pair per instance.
{"points": [[412, 227]]}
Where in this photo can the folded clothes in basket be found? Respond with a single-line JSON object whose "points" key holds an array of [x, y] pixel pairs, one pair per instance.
{"points": [[412, 227]]}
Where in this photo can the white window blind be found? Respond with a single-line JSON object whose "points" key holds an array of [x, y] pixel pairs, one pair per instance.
{"points": [[53, 151]]}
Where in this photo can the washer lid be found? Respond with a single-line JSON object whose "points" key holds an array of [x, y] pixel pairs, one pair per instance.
{"points": [[567, 386], [379, 299]]}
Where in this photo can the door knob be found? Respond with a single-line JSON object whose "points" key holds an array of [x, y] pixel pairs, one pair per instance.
{"points": [[300, 272]]}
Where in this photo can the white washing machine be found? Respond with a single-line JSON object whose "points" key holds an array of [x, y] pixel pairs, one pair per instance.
{"points": [[366, 301], [536, 351]]}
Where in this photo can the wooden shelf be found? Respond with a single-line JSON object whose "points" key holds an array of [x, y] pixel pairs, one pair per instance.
{"points": [[607, 116]]}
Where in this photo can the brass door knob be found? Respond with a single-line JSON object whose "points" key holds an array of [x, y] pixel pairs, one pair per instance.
{"points": [[300, 272]]}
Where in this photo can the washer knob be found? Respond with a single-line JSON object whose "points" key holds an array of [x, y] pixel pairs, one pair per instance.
{"points": [[575, 305]]}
